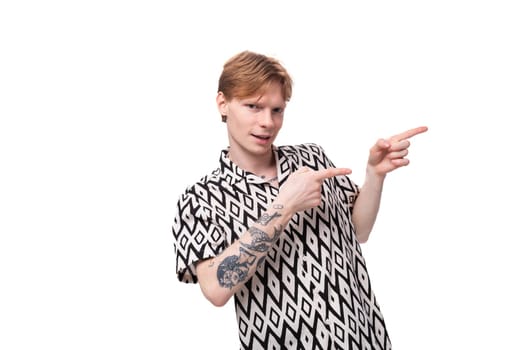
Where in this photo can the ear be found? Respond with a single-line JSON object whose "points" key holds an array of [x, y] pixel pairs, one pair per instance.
{"points": [[222, 104]]}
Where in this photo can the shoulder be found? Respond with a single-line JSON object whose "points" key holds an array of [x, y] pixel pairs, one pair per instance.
{"points": [[303, 148], [311, 155], [304, 151], [204, 187]]}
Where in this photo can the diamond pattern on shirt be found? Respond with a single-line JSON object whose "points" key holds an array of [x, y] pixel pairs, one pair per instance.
{"points": [[314, 291]]}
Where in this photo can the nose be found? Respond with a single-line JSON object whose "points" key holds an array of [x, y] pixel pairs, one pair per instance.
{"points": [[266, 118]]}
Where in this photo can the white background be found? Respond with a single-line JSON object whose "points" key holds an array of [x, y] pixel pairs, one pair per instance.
{"points": [[107, 114]]}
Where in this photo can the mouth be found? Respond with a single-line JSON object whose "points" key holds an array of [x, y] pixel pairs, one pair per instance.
{"points": [[262, 137]]}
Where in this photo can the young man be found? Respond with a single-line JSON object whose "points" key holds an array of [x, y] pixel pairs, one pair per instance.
{"points": [[279, 228]]}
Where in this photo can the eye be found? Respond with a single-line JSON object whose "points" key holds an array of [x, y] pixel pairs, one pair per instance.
{"points": [[278, 110], [252, 106]]}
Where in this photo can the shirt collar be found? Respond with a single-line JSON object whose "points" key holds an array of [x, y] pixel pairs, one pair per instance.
{"points": [[233, 174]]}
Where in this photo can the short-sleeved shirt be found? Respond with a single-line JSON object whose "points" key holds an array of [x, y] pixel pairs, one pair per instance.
{"points": [[313, 291]]}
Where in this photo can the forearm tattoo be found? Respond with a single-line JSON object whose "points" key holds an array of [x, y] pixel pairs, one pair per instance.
{"points": [[276, 234], [261, 242], [266, 218], [235, 269]]}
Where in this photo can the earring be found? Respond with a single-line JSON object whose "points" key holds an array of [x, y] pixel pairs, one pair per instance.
{"points": [[223, 118]]}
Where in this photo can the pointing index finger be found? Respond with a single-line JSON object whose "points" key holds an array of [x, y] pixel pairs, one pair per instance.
{"points": [[409, 133], [331, 172]]}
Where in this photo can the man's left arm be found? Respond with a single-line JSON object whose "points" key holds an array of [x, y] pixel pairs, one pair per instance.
{"points": [[385, 156]]}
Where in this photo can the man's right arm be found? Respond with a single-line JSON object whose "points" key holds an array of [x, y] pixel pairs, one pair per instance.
{"points": [[222, 276]]}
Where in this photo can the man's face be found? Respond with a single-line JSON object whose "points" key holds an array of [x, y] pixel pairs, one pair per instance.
{"points": [[253, 123]]}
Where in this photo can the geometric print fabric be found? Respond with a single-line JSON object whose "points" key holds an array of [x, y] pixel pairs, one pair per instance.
{"points": [[313, 290]]}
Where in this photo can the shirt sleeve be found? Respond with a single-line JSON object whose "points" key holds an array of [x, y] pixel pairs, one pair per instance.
{"points": [[196, 236]]}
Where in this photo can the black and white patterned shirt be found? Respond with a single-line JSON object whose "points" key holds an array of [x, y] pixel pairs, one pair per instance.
{"points": [[313, 291]]}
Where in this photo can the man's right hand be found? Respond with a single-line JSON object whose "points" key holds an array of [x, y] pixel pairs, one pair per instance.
{"points": [[302, 189]]}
